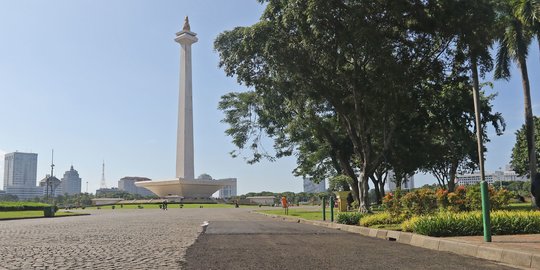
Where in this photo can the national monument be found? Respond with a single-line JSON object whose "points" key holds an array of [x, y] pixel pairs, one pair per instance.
{"points": [[185, 185]]}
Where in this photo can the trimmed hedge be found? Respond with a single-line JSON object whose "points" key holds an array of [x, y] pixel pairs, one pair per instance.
{"points": [[470, 223], [383, 218], [350, 218], [21, 206]]}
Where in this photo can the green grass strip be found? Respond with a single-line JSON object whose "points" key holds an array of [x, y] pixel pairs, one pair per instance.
{"points": [[33, 214]]}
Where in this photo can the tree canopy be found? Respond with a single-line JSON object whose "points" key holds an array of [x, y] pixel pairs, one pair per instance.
{"points": [[350, 87]]}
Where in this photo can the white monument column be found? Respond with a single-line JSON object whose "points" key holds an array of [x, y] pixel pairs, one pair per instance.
{"points": [[184, 146]]}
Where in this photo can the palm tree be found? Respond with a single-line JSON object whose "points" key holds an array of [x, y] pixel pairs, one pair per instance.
{"points": [[514, 41], [528, 12], [476, 41]]}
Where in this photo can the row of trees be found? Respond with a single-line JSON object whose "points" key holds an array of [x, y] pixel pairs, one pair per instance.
{"points": [[357, 88]]}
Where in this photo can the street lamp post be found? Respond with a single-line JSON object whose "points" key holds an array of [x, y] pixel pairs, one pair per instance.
{"points": [[483, 184]]}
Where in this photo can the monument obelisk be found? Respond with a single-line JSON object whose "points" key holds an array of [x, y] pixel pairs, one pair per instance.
{"points": [[184, 185], [184, 143]]}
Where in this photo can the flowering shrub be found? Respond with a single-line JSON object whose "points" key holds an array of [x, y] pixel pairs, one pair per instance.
{"points": [[392, 203], [426, 201], [470, 223], [419, 202], [457, 200], [442, 198], [497, 199], [500, 199]]}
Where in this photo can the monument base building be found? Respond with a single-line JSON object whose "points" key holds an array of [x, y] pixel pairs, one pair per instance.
{"points": [[184, 188]]}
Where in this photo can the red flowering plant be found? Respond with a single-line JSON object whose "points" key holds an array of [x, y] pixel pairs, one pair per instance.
{"points": [[419, 202], [442, 198], [457, 200], [392, 204]]}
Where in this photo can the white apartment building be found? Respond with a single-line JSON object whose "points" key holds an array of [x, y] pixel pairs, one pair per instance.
{"points": [[20, 175], [229, 190], [127, 184], [53, 189], [71, 182], [491, 178]]}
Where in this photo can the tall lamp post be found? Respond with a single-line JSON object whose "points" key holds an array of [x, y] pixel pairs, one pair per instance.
{"points": [[483, 184]]}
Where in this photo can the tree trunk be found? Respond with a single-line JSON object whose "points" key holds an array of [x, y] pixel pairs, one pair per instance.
{"points": [[348, 170], [452, 176], [529, 129], [364, 199], [375, 182], [382, 182]]}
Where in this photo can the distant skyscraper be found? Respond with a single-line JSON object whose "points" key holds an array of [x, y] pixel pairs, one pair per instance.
{"points": [[312, 187], [408, 183], [71, 182], [229, 190], [20, 175], [127, 184], [55, 186]]}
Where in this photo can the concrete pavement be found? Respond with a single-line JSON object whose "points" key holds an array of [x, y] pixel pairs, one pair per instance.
{"points": [[259, 242]]}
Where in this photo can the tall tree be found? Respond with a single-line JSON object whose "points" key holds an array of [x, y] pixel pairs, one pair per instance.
{"points": [[514, 42], [528, 12], [368, 70], [520, 159]]}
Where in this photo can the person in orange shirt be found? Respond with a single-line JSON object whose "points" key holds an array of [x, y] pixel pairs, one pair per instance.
{"points": [[285, 204]]}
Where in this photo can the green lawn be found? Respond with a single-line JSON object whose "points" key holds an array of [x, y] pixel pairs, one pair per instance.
{"points": [[32, 214], [169, 206], [301, 213]]}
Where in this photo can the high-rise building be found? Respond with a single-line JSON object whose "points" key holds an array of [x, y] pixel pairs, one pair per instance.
{"points": [[20, 175], [229, 189], [312, 187], [71, 182], [54, 189], [408, 183], [127, 184]]}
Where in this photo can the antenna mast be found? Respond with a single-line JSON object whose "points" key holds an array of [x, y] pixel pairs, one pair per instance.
{"points": [[49, 178], [103, 183]]}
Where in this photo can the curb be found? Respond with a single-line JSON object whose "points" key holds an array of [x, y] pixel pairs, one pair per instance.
{"points": [[506, 256]]}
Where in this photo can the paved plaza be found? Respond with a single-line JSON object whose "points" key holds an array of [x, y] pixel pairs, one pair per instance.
{"points": [[235, 239], [107, 239]]}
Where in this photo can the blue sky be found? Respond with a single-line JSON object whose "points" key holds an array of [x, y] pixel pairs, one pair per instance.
{"points": [[98, 80]]}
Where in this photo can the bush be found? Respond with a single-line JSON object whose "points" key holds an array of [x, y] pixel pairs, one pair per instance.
{"points": [[381, 219], [470, 223], [442, 198], [391, 202], [419, 202], [349, 218], [498, 199]]}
